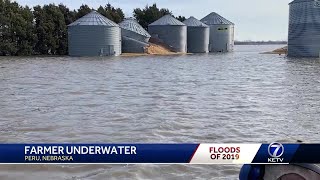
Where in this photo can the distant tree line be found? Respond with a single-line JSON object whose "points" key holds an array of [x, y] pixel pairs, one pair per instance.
{"points": [[258, 42], [42, 30], [152, 13]]}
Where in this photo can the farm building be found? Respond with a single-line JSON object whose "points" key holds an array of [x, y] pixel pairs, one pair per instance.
{"points": [[198, 36], [171, 32], [221, 33], [94, 35]]}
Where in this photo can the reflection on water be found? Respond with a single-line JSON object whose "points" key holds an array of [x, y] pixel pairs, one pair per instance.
{"points": [[214, 98]]}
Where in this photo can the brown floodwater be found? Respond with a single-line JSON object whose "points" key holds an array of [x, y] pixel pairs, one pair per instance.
{"points": [[240, 97]]}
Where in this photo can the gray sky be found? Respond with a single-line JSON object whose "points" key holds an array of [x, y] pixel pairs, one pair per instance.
{"points": [[254, 19]]}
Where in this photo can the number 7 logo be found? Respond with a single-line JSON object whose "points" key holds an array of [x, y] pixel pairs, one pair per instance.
{"points": [[276, 150]]}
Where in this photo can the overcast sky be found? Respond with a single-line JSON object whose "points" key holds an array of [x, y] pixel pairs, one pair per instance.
{"points": [[254, 19]]}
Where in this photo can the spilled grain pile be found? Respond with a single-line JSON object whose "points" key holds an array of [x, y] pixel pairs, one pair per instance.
{"points": [[157, 49], [279, 51]]}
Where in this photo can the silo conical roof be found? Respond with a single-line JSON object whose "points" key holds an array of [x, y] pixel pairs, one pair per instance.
{"points": [[298, 1], [94, 19], [193, 22], [215, 19], [167, 20], [131, 24]]}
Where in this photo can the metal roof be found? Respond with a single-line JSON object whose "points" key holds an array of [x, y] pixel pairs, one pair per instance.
{"points": [[298, 1], [167, 20], [215, 19], [94, 19], [131, 24], [193, 22]]}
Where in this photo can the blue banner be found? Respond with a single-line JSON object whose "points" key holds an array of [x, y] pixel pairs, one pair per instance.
{"points": [[268, 154], [274, 153], [96, 153]]}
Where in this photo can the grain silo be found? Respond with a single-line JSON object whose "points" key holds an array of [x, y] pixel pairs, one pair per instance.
{"points": [[304, 28], [221, 33], [134, 37], [198, 36], [132, 29], [94, 35], [171, 32]]}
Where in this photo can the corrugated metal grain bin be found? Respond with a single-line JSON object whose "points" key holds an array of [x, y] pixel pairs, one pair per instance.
{"points": [[94, 35], [132, 29], [221, 33], [304, 28], [134, 37], [171, 31], [198, 36], [130, 45]]}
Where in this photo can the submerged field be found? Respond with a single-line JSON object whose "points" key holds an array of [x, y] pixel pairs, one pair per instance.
{"points": [[240, 97]]}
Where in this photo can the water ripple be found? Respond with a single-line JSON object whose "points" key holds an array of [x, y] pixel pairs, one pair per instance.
{"points": [[212, 98]]}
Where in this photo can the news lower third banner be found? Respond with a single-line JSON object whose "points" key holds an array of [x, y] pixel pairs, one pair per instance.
{"points": [[274, 153]]}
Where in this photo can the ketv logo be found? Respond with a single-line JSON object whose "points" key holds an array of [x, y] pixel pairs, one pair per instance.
{"points": [[275, 150]]}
